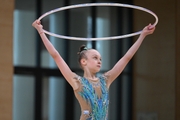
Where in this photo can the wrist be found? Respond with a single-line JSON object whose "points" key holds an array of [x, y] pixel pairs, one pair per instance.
{"points": [[41, 32], [142, 36]]}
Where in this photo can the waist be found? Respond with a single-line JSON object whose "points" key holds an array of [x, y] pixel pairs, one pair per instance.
{"points": [[88, 115]]}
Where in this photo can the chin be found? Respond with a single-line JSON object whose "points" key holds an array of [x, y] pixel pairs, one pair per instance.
{"points": [[98, 70]]}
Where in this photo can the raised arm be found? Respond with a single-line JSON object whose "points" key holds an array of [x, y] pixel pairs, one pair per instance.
{"points": [[65, 70], [121, 64]]}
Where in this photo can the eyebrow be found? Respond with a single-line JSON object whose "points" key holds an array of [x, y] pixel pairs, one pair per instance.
{"points": [[96, 55]]}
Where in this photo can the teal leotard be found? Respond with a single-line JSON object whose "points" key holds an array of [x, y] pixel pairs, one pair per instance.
{"points": [[98, 104]]}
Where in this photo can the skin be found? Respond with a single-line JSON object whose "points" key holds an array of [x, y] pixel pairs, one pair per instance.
{"points": [[92, 64]]}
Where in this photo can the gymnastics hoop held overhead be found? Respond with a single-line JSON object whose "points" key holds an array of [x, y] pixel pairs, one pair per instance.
{"points": [[97, 4]]}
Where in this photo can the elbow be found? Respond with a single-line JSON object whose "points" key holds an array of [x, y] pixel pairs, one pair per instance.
{"points": [[54, 54], [128, 57]]}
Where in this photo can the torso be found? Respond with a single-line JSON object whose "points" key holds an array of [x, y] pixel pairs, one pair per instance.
{"points": [[93, 98]]}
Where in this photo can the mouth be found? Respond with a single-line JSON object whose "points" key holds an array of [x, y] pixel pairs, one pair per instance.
{"points": [[99, 66]]}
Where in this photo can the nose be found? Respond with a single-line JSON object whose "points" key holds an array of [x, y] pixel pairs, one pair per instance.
{"points": [[99, 61]]}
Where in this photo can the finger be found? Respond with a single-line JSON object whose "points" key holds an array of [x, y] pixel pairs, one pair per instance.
{"points": [[38, 22], [151, 27], [33, 24]]}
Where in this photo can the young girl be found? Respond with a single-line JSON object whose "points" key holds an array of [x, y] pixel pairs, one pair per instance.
{"points": [[92, 91]]}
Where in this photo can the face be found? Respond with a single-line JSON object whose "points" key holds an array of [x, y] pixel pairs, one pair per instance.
{"points": [[93, 61]]}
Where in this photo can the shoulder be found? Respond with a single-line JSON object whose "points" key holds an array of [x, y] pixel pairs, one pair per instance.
{"points": [[103, 79], [77, 77], [78, 80], [104, 76]]}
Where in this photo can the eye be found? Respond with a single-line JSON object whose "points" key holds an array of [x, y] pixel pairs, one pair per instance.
{"points": [[95, 58]]}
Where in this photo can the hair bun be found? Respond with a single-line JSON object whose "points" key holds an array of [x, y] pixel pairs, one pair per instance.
{"points": [[82, 48]]}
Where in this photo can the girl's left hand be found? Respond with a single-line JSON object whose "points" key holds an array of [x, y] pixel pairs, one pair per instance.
{"points": [[148, 30]]}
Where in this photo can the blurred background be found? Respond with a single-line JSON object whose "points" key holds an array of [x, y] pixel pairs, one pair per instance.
{"points": [[32, 87]]}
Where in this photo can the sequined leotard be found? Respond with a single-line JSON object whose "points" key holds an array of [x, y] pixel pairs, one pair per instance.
{"points": [[93, 98]]}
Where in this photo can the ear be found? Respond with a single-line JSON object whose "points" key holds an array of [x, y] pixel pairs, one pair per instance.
{"points": [[83, 61]]}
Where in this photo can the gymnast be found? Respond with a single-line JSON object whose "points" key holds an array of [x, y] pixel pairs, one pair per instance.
{"points": [[91, 90]]}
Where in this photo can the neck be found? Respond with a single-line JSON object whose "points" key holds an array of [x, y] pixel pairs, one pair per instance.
{"points": [[89, 75]]}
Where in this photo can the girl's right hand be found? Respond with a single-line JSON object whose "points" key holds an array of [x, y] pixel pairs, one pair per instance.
{"points": [[37, 24]]}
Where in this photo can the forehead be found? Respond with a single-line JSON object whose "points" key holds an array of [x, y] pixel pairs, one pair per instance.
{"points": [[94, 52]]}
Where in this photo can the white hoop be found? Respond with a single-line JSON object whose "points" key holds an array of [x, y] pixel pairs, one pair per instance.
{"points": [[97, 4]]}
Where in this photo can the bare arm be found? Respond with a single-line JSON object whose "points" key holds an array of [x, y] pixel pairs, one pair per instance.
{"points": [[65, 70], [121, 64]]}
